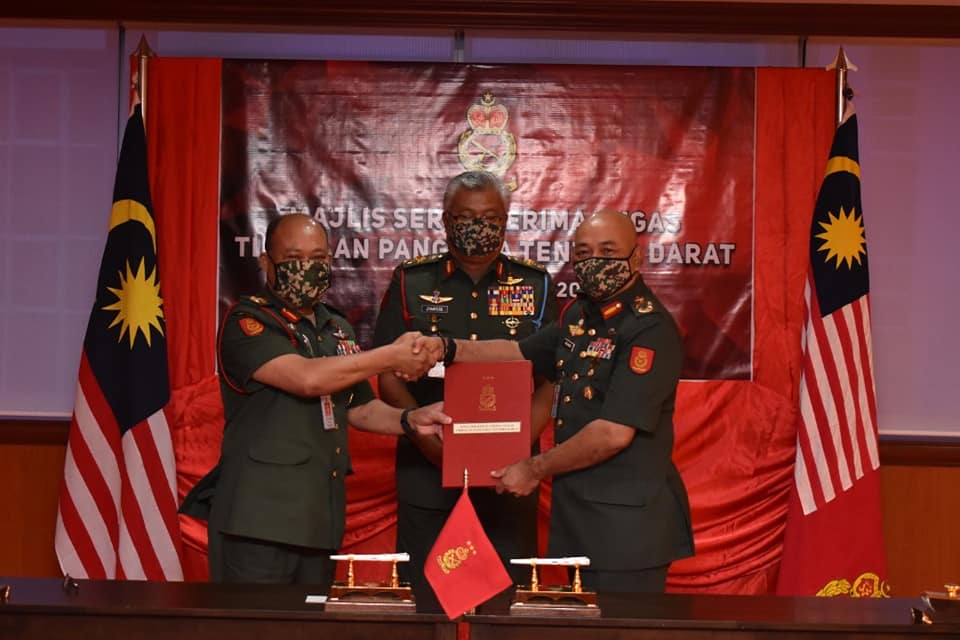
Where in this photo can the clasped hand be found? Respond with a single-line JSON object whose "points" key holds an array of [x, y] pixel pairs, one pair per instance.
{"points": [[415, 354]]}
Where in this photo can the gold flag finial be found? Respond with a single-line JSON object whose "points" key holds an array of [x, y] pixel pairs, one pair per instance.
{"points": [[143, 49], [842, 65], [143, 52]]}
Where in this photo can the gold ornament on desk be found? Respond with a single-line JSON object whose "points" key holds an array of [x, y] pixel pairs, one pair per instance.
{"points": [[376, 597], [941, 607], [562, 600]]}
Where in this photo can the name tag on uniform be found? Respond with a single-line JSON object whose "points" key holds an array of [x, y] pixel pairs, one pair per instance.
{"points": [[326, 408], [434, 308]]}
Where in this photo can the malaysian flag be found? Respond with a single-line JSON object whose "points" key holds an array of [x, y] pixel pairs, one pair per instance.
{"points": [[117, 515], [834, 537]]}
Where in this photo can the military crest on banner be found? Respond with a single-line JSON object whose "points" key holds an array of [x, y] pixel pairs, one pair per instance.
{"points": [[486, 145]]}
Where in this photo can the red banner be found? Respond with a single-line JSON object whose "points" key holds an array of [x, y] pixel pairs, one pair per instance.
{"points": [[367, 149], [735, 441]]}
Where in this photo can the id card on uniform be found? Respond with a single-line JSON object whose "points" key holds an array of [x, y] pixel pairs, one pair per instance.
{"points": [[326, 407]]}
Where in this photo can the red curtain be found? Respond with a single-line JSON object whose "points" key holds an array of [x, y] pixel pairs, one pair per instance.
{"points": [[183, 149], [735, 439]]}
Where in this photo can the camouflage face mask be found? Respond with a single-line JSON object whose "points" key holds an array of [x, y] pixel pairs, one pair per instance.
{"points": [[476, 237], [302, 282], [600, 278]]}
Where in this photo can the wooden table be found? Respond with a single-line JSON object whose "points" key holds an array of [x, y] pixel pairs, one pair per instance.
{"points": [[40, 608], [688, 617]]}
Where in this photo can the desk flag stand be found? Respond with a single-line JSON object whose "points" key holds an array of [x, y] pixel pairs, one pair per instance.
{"points": [[562, 600], [374, 597]]}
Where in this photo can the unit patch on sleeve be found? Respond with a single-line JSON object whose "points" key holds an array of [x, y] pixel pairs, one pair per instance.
{"points": [[641, 359], [251, 326]]}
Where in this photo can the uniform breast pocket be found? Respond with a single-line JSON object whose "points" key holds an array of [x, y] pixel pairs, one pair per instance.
{"points": [[528, 326], [284, 452], [617, 487], [421, 324]]}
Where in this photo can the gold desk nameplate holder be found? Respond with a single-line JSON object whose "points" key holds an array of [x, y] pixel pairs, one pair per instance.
{"points": [[563, 600], [375, 598], [941, 607]]}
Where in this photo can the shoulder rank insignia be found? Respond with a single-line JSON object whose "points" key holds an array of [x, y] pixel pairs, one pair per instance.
{"points": [[251, 326], [435, 298], [641, 359], [421, 260], [642, 305], [611, 309], [257, 300], [527, 262]]}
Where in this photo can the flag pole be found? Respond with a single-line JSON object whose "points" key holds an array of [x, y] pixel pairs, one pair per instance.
{"points": [[842, 65], [143, 53]]}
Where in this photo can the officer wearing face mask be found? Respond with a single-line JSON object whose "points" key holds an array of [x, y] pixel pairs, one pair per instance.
{"points": [[615, 356], [292, 377], [473, 292]]}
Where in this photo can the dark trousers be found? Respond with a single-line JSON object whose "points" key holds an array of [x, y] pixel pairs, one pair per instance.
{"points": [[652, 580], [236, 559], [509, 522]]}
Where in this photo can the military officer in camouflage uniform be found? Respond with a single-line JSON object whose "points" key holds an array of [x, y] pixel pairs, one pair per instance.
{"points": [[472, 292], [615, 354], [292, 377]]}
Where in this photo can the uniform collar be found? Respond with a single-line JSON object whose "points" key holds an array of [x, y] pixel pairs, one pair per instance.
{"points": [[449, 266], [613, 307], [288, 313]]}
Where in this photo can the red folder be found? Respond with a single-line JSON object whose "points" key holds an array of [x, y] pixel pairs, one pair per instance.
{"points": [[490, 406]]}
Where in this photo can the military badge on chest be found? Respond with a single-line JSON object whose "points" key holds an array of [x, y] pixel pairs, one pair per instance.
{"points": [[436, 303], [345, 344], [511, 299], [601, 348], [436, 307]]}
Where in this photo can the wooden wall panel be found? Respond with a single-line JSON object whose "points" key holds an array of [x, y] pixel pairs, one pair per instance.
{"points": [[921, 522], [30, 476]]}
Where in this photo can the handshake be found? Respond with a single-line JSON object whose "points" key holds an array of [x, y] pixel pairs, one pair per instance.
{"points": [[413, 354]]}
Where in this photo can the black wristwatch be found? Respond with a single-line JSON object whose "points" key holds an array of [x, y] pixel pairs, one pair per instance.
{"points": [[405, 423], [449, 351]]}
